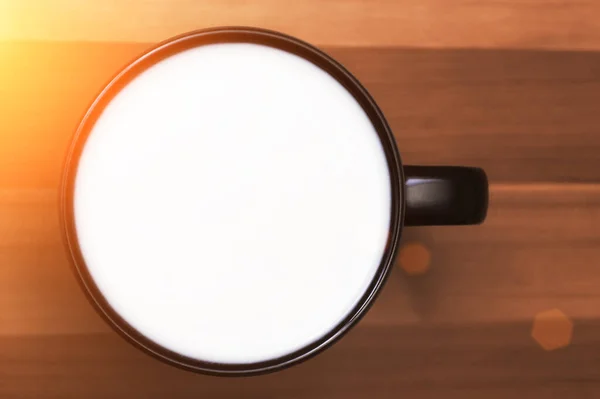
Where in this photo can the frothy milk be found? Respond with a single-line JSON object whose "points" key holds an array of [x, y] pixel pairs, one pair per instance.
{"points": [[232, 203]]}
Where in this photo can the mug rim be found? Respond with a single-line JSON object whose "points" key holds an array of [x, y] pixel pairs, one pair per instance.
{"points": [[173, 46]]}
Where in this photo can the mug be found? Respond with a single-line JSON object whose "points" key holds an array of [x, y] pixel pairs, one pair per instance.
{"points": [[233, 200]]}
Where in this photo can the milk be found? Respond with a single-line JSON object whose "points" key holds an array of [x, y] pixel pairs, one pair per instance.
{"points": [[232, 203]]}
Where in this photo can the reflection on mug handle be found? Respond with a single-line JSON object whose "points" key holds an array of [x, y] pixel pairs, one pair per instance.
{"points": [[445, 195]]}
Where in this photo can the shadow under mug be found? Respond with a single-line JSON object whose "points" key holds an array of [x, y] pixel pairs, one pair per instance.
{"points": [[421, 195]]}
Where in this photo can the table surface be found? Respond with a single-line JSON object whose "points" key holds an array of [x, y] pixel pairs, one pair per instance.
{"points": [[512, 86]]}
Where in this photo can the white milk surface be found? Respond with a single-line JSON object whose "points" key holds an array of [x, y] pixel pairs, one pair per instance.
{"points": [[232, 203]]}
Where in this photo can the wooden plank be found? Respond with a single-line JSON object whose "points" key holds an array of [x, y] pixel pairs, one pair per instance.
{"points": [[522, 115], [476, 361], [418, 23], [539, 249], [514, 113]]}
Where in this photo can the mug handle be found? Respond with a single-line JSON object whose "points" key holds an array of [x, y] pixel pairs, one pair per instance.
{"points": [[445, 195]]}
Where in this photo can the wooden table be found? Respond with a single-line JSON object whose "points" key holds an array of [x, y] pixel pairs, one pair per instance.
{"points": [[512, 86]]}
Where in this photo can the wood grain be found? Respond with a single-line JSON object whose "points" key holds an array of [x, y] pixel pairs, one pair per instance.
{"points": [[538, 249], [455, 361], [422, 23], [522, 115]]}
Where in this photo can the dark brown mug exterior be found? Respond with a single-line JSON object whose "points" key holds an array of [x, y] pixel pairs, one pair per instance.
{"points": [[421, 195]]}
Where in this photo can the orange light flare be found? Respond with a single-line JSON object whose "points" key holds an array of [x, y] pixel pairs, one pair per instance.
{"points": [[552, 329], [414, 258]]}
